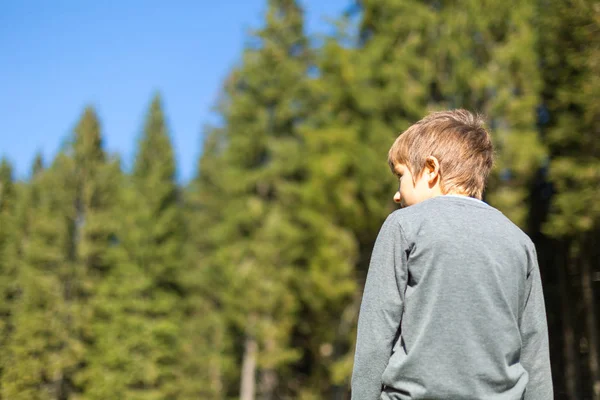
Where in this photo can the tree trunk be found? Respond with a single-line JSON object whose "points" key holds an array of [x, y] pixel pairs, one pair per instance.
{"points": [[569, 346], [269, 379], [268, 384], [347, 320], [588, 301], [247, 390], [216, 379]]}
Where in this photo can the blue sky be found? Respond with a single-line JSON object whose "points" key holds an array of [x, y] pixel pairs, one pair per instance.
{"points": [[58, 56]]}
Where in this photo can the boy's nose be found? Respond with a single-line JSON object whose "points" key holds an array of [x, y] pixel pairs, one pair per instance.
{"points": [[398, 197]]}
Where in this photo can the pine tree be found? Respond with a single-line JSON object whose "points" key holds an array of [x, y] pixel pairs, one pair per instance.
{"points": [[485, 60], [140, 300], [38, 164], [369, 87], [250, 257], [570, 219], [8, 260], [154, 180], [424, 56], [386, 71], [156, 246], [571, 101], [40, 350], [210, 357]]}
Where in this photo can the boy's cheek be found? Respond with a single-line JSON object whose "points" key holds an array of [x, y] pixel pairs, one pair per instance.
{"points": [[406, 201]]}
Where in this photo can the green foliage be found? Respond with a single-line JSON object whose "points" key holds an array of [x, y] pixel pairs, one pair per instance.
{"points": [[138, 305], [40, 350], [254, 234], [8, 269], [571, 53], [210, 356]]}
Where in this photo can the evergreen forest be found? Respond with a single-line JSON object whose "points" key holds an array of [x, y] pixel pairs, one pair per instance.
{"points": [[245, 282]]}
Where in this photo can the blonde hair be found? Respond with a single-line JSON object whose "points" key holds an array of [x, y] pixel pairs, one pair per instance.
{"points": [[460, 142]]}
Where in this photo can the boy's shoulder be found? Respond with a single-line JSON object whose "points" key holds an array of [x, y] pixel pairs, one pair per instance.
{"points": [[451, 216]]}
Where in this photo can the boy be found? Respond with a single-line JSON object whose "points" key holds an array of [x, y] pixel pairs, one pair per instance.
{"points": [[453, 305]]}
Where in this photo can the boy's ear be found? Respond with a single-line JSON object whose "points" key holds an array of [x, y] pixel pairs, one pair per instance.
{"points": [[432, 168]]}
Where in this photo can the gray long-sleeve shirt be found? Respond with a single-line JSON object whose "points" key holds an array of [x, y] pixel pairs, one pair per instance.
{"points": [[452, 308]]}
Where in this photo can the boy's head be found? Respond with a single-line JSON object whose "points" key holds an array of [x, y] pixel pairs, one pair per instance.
{"points": [[447, 152]]}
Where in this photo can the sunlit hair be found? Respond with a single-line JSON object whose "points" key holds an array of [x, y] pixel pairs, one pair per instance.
{"points": [[460, 142]]}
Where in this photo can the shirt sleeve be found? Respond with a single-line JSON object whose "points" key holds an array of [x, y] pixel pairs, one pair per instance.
{"points": [[380, 311], [535, 355]]}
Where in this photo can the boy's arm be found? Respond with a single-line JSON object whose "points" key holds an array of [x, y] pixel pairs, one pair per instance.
{"points": [[380, 311], [535, 356]]}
